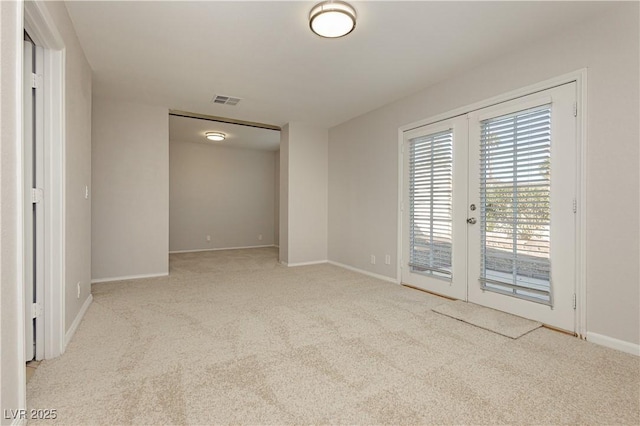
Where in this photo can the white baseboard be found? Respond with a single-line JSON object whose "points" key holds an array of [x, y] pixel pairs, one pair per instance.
{"points": [[128, 277], [315, 262], [610, 342], [77, 320], [362, 271], [219, 249]]}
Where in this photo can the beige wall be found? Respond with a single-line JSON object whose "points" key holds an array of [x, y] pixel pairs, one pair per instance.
{"points": [[276, 204], [363, 162], [130, 204], [77, 166], [303, 163], [223, 192], [11, 347], [283, 219]]}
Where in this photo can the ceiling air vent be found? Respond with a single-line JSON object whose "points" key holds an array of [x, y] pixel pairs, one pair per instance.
{"points": [[225, 100]]}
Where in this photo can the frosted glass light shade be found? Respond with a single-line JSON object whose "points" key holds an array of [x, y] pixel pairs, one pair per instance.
{"points": [[332, 19], [215, 136]]}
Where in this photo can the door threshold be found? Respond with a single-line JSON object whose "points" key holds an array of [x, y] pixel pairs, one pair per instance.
{"points": [[427, 291], [560, 330]]}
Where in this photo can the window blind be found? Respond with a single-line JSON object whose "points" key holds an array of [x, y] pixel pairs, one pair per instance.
{"points": [[430, 199], [515, 157]]}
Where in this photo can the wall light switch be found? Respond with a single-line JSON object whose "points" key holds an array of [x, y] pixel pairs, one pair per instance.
{"points": [[86, 192], [208, 238], [387, 259], [373, 259]]}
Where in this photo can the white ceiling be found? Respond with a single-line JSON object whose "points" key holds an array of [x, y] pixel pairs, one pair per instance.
{"points": [[179, 54], [192, 130]]}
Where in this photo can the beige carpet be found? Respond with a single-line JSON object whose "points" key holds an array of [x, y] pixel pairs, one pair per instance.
{"points": [[489, 319], [234, 338]]}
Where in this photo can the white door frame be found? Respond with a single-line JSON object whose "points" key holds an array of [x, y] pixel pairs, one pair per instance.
{"points": [[41, 28], [33, 172], [580, 77]]}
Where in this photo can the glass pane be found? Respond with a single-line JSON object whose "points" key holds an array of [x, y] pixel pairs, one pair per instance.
{"points": [[430, 201], [515, 160]]}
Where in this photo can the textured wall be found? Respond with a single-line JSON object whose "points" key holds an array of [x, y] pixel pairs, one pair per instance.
{"points": [[77, 165], [130, 215], [222, 192], [276, 214], [304, 159]]}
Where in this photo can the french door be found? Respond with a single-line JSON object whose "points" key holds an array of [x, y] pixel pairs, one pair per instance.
{"points": [[434, 207], [511, 206]]}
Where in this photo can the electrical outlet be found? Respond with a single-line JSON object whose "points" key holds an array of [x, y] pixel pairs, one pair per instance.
{"points": [[387, 259], [208, 238], [78, 289], [259, 237], [86, 192], [373, 259]]}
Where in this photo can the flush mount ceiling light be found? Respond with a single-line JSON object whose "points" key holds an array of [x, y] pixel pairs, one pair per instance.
{"points": [[215, 136], [332, 19]]}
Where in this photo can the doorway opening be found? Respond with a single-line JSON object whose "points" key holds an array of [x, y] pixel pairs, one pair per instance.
{"points": [[223, 189]]}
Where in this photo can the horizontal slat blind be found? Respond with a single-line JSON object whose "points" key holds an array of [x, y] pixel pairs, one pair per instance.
{"points": [[515, 160], [430, 198]]}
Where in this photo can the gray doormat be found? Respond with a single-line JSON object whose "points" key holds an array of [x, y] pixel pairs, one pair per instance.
{"points": [[489, 319]]}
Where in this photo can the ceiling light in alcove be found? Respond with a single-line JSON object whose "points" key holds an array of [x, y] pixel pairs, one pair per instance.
{"points": [[332, 19], [215, 136]]}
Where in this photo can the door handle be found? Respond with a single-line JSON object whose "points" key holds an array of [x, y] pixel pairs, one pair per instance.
{"points": [[471, 220]]}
